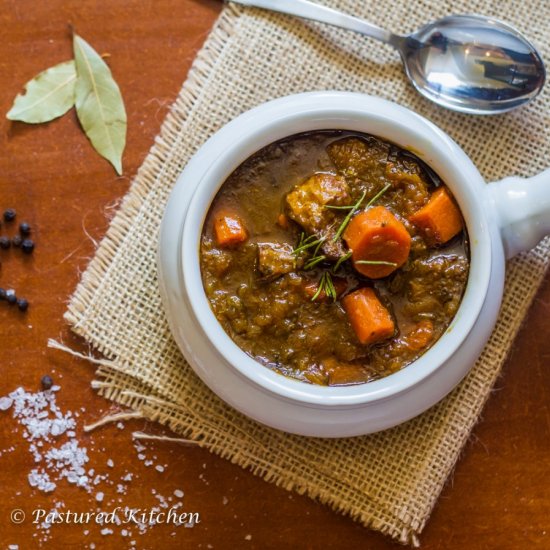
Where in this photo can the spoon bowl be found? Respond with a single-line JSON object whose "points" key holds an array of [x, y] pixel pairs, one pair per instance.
{"points": [[473, 64], [467, 63]]}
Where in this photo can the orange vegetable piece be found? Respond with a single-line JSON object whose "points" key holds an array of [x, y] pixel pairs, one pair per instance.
{"points": [[311, 287], [348, 374], [370, 320], [229, 230], [282, 221], [439, 219], [421, 335], [377, 235], [341, 373]]}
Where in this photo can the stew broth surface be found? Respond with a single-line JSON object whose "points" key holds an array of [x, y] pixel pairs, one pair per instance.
{"points": [[265, 292]]}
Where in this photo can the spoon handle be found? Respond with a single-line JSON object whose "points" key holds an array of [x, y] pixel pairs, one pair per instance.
{"points": [[316, 12]]}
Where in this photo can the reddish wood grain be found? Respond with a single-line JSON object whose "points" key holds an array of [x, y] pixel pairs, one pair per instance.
{"points": [[500, 495]]}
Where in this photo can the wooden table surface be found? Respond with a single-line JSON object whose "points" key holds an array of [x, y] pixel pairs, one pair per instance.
{"points": [[499, 496]]}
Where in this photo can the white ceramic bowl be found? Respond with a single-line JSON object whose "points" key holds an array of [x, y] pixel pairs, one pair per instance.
{"points": [[502, 219]]}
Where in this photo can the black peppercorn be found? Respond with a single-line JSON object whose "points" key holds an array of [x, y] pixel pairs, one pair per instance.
{"points": [[16, 241], [25, 228], [27, 246], [3, 294], [46, 382], [9, 215], [22, 304], [5, 243], [11, 298]]}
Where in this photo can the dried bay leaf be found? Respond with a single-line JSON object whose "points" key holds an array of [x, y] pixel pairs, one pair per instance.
{"points": [[48, 95], [99, 104]]}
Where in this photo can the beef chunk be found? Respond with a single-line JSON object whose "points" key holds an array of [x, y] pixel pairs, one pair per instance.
{"points": [[359, 158], [306, 206], [410, 184], [275, 259], [433, 286], [332, 250], [307, 201], [215, 260]]}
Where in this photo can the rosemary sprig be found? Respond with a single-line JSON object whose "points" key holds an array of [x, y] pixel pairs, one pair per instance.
{"points": [[341, 260], [354, 209], [375, 262], [310, 264], [330, 291], [378, 195], [318, 247], [326, 285], [320, 288], [307, 243], [347, 219], [333, 207]]}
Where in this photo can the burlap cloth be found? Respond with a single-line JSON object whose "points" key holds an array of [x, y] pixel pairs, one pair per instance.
{"points": [[388, 481]]}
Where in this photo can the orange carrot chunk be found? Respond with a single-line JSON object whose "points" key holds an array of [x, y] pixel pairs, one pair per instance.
{"points": [[370, 320], [229, 230], [342, 373], [421, 335], [439, 219], [379, 242]]}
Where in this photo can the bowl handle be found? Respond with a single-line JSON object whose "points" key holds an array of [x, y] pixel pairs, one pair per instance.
{"points": [[523, 209]]}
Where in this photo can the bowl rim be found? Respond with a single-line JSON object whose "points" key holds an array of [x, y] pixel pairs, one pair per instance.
{"points": [[285, 117]]}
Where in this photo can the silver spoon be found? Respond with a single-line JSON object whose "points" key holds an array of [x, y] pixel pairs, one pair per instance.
{"points": [[467, 63]]}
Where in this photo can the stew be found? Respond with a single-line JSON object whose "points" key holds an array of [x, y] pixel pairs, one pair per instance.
{"points": [[334, 257]]}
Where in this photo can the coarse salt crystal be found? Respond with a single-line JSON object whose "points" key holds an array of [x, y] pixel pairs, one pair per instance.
{"points": [[99, 497], [106, 531], [72, 477], [40, 480], [82, 481], [159, 468], [5, 403], [57, 428], [110, 463], [178, 493]]}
